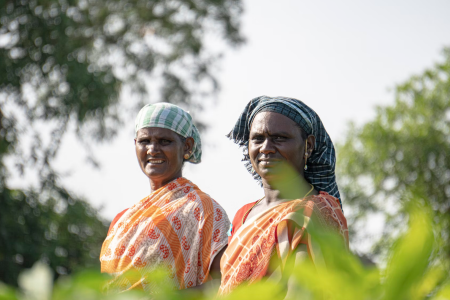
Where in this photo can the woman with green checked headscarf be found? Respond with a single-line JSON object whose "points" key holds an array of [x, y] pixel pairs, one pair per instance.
{"points": [[177, 228]]}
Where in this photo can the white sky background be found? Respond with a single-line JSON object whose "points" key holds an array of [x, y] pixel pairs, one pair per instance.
{"points": [[339, 57]]}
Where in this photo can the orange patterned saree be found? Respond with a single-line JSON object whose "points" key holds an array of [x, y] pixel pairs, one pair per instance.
{"points": [[270, 233], [177, 228]]}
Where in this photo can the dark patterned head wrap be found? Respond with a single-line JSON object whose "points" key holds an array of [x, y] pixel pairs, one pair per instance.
{"points": [[322, 161]]}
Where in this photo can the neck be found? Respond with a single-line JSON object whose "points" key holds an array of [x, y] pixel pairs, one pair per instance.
{"points": [[286, 189]]}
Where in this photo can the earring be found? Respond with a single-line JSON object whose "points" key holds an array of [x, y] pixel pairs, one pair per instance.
{"points": [[306, 155], [186, 156]]}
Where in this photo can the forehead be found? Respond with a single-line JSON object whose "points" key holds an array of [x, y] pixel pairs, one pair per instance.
{"points": [[273, 122], [156, 132]]}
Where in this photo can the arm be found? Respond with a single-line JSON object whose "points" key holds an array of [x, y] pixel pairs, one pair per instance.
{"points": [[300, 255], [215, 266], [216, 275]]}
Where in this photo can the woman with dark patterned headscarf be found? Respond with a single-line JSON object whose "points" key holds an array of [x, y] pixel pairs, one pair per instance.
{"points": [[287, 149]]}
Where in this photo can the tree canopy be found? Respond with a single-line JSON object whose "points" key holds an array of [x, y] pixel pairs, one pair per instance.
{"points": [[66, 62], [78, 65], [402, 153], [63, 231]]}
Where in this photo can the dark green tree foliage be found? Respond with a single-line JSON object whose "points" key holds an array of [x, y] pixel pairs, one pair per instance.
{"points": [[63, 65], [404, 152], [50, 225], [64, 232]]}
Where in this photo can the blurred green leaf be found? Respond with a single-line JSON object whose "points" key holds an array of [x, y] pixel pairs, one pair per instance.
{"points": [[444, 293], [259, 290], [7, 293], [37, 282], [410, 257]]}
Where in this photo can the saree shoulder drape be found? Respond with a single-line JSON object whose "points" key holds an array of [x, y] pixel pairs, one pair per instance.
{"points": [[269, 233], [177, 228]]}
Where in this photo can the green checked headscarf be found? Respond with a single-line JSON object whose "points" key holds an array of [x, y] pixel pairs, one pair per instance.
{"points": [[173, 117]]}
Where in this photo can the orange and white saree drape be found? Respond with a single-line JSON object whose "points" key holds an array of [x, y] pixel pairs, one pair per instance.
{"points": [[177, 227], [247, 257]]}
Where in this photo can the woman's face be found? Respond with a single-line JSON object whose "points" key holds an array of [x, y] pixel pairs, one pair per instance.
{"points": [[274, 139], [160, 154]]}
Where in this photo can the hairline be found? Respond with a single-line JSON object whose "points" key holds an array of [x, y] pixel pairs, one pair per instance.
{"points": [[302, 131]]}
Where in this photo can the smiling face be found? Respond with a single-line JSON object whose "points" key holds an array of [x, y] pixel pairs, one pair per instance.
{"points": [[160, 154], [274, 138]]}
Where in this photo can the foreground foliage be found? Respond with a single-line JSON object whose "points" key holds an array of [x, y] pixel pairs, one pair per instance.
{"points": [[408, 274]]}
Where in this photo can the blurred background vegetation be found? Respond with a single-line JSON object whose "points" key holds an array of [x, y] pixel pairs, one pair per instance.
{"points": [[65, 66], [402, 153]]}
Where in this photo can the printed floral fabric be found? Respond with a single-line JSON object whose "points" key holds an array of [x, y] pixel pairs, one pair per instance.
{"points": [[247, 257], [177, 228]]}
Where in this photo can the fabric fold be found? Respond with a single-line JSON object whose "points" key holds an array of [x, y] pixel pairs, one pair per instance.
{"points": [[177, 228], [251, 247]]}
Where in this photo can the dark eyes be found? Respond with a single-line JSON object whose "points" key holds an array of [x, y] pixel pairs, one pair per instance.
{"points": [[163, 142], [276, 138], [143, 142], [257, 138], [280, 138]]}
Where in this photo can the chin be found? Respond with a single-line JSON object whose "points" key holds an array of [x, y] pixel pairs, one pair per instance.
{"points": [[271, 176], [265, 172], [154, 175]]}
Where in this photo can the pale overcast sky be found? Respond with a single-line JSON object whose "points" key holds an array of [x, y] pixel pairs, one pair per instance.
{"points": [[339, 57]]}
